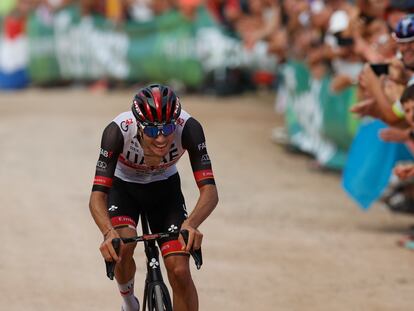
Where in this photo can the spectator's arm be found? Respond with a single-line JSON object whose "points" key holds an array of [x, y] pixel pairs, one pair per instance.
{"points": [[373, 86]]}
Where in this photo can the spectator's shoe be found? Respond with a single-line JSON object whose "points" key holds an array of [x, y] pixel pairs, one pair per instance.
{"points": [[404, 205], [279, 136], [396, 199], [407, 242]]}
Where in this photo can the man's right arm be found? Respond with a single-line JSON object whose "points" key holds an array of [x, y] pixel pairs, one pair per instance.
{"points": [[111, 146]]}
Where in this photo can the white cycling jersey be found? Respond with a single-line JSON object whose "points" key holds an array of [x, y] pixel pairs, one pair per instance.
{"points": [[131, 163]]}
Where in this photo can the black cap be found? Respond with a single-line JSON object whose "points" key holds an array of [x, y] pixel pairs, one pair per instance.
{"points": [[402, 4]]}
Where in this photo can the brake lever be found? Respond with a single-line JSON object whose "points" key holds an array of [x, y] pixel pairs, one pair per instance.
{"points": [[196, 254], [110, 265]]}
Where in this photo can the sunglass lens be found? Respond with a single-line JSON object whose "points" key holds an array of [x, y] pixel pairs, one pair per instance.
{"points": [[168, 129], [151, 131]]}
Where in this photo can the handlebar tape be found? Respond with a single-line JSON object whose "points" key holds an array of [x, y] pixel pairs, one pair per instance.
{"points": [[196, 254], [110, 265]]}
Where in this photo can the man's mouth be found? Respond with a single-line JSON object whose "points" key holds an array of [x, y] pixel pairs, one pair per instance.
{"points": [[161, 146]]}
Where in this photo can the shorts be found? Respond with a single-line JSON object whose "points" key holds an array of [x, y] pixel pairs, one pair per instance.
{"points": [[162, 201]]}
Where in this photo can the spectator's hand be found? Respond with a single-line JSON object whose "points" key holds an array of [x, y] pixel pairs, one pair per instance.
{"points": [[404, 171], [249, 40], [393, 90], [394, 134], [397, 72], [366, 107], [340, 82], [368, 80]]}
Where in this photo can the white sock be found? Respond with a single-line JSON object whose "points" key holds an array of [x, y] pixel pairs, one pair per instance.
{"points": [[127, 292]]}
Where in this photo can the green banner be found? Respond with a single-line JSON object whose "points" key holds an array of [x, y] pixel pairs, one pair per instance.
{"points": [[318, 121], [88, 48]]}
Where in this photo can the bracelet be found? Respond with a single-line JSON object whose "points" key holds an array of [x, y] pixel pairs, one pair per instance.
{"points": [[106, 233]]}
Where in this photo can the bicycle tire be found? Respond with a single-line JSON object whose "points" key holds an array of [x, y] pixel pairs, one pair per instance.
{"points": [[159, 299]]}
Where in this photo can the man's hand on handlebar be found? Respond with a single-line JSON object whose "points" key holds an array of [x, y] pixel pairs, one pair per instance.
{"points": [[107, 250], [195, 237]]}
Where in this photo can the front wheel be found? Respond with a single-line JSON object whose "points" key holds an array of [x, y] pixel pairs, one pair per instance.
{"points": [[159, 298]]}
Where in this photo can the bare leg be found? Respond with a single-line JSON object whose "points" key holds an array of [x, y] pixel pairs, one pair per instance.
{"points": [[185, 296], [125, 270]]}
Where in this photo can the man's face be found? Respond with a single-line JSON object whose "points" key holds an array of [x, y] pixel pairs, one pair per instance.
{"points": [[407, 51], [158, 146], [409, 112]]}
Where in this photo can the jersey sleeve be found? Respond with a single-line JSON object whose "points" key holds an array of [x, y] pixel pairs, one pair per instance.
{"points": [[194, 141], [111, 146]]}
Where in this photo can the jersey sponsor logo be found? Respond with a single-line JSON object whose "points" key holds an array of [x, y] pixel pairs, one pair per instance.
{"points": [[106, 154], [136, 158], [180, 121], [172, 228], [202, 146], [205, 159], [125, 124], [101, 165], [102, 181], [113, 208]]}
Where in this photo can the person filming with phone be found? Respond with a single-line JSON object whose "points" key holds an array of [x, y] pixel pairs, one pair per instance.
{"points": [[381, 85]]}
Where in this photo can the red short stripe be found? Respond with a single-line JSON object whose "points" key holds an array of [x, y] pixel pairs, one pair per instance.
{"points": [[123, 221], [171, 247]]}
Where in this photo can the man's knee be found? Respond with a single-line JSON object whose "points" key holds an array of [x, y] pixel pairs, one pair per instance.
{"points": [[127, 250], [178, 270]]}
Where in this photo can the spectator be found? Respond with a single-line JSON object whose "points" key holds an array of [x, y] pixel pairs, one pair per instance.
{"points": [[406, 171]]}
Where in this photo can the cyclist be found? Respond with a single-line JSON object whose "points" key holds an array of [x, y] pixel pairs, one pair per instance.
{"points": [[136, 172]]}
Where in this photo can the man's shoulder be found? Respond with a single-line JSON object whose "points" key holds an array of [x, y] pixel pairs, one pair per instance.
{"points": [[124, 116], [124, 120], [182, 119]]}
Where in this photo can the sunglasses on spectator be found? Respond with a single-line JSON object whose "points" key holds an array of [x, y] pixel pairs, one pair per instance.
{"points": [[154, 130]]}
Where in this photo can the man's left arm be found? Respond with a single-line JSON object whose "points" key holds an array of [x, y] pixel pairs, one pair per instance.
{"points": [[194, 141]]}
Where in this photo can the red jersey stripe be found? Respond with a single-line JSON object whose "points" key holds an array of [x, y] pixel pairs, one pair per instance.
{"points": [[203, 174], [103, 181]]}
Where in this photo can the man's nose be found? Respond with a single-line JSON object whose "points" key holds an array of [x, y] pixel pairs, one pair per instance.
{"points": [[160, 137]]}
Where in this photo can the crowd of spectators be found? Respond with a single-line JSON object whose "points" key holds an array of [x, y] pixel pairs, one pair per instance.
{"points": [[338, 36]]}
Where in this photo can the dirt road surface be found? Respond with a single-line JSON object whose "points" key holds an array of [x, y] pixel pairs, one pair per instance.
{"points": [[284, 236]]}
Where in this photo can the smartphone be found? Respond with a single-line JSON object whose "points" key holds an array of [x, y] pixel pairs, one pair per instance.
{"points": [[380, 69], [343, 41]]}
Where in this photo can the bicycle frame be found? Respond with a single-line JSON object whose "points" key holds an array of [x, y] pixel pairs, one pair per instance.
{"points": [[154, 277], [156, 294]]}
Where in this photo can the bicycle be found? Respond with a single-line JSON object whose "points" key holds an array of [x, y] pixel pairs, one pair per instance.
{"points": [[156, 294]]}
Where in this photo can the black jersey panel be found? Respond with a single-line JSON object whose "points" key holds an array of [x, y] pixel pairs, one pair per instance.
{"points": [[194, 141], [112, 144]]}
